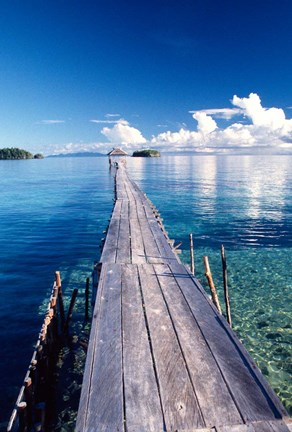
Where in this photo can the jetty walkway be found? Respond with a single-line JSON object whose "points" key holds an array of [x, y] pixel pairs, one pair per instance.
{"points": [[160, 357]]}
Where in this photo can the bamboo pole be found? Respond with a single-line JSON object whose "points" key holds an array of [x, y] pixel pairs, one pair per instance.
{"points": [[87, 300], [28, 392], [21, 409], [70, 311], [192, 254], [208, 275], [60, 298], [226, 293]]}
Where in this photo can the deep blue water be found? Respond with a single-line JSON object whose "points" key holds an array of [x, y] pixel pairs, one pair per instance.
{"points": [[53, 213]]}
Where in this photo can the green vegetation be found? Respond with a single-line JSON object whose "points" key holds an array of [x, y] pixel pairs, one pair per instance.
{"points": [[146, 153], [38, 156], [16, 153]]}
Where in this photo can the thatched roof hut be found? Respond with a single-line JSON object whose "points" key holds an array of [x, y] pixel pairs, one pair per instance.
{"points": [[117, 155]]}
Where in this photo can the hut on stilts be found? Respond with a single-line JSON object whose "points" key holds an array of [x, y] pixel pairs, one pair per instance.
{"points": [[117, 155]]}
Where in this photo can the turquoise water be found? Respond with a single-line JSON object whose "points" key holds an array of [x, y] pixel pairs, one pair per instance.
{"points": [[53, 213]]}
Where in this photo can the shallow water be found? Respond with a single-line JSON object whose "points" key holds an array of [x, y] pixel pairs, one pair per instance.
{"points": [[53, 213]]}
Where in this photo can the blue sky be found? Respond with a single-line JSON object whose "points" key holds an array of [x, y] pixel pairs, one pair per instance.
{"points": [[88, 75]]}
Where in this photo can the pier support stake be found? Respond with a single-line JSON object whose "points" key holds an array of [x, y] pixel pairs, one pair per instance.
{"points": [[226, 293], [60, 298], [87, 299], [208, 275], [71, 307], [192, 254]]}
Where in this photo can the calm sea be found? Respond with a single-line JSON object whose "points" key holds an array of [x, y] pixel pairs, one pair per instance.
{"points": [[53, 213]]}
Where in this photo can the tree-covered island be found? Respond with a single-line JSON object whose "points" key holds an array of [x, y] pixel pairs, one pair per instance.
{"points": [[14, 153], [146, 153]]}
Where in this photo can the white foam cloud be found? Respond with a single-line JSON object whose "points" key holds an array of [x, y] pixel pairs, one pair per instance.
{"points": [[123, 133], [206, 124], [268, 128], [272, 118]]}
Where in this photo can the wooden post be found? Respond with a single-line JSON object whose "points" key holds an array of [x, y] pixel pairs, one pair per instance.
{"points": [[28, 392], [208, 275], [226, 293], [41, 415], [192, 254], [87, 299], [21, 409], [70, 311], [60, 298]]}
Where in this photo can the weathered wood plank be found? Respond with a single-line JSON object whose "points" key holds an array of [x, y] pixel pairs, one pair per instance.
{"points": [[117, 209], [125, 209], [84, 398], [105, 405], [109, 250], [137, 246], [180, 406], [215, 401], [164, 248], [259, 426], [152, 252], [276, 404], [250, 397], [142, 402], [124, 244]]}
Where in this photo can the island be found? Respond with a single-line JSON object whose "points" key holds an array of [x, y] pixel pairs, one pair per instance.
{"points": [[146, 153], [14, 153]]}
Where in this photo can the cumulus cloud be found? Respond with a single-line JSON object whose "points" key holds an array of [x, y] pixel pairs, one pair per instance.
{"points": [[123, 133], [205, 123], [268, 128]]}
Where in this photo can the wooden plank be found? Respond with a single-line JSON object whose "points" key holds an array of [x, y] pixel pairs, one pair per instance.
{"points": [[215, 400], [123, 247], [249, 395], [236, 428], [137, 246], [117, 209], [142, 402], [84, 398], [179, 401], [164, 248], [152, 252], [276, 404], [125, 209], [259, 426], [105, 405], [109, 250]]}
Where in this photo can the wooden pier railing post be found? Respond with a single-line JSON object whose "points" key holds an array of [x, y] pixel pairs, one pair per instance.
{"points": [[22, 417], [226, 293], [87, 300], [192, 254], [208, 275], [60, 298], [71, 307]]}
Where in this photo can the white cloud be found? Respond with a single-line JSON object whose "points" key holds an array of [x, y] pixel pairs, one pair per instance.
{"points": [[50, 122], [123, 133], [206, 124], [272, 118], [104, 121], [225, 113], [112, 115], [268, 129]]}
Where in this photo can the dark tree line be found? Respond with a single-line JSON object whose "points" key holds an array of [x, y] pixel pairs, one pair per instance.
{"points": [[16, 153]]}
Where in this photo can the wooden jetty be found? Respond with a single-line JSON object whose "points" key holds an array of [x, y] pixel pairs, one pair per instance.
{"points": [[160, 357]]}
